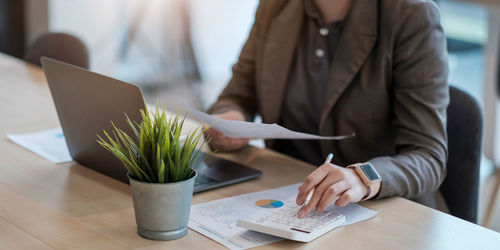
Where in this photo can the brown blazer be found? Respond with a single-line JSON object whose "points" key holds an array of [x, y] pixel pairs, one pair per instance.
{"points": [[388, 83]]}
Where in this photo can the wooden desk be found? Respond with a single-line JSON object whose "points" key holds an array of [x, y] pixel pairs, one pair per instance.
{"points": [[43, 205]]}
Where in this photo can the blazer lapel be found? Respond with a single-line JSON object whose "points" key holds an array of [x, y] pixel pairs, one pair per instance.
{"points": [[278, 52], [356, 42]]}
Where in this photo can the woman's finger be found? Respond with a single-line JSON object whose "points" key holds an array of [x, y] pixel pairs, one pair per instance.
{"points": [[345, 198], [332, 177], [331, 193], [222, 143], [311, 181], [214, 133], [332, 171]]}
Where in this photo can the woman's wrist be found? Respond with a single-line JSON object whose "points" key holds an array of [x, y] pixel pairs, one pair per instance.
{"points": [[378, 186], [372, 188]]}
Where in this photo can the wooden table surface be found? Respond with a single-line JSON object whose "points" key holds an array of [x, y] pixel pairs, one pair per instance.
{"points": [[68, 206]]}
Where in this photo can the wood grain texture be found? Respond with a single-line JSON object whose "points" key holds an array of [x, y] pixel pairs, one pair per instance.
{"points": [[13, 237], [68, 206]]}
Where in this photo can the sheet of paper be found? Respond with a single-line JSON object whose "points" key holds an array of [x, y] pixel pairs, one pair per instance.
{"points": [[241, 129], [217, 219], [49, 144]]}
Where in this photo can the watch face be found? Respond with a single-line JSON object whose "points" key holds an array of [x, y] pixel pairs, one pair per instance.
{"points": [[369, 172]]}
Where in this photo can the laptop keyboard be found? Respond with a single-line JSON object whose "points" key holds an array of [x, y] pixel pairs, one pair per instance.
{"points": [[203, 180]]}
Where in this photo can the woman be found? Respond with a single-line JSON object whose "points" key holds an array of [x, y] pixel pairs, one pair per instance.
{"points": [[330, 67]]}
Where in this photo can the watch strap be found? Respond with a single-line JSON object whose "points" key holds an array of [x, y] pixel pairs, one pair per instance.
{"points": [[368, 184]]}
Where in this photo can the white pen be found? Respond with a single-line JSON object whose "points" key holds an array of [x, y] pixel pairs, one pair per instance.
{"points": [[311, 192]]}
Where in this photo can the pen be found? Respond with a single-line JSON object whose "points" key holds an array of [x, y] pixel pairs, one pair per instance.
{"points": [[311, 192]]}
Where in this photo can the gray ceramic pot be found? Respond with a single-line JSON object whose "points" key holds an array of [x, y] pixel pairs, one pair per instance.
{"points": [[162, 210]]}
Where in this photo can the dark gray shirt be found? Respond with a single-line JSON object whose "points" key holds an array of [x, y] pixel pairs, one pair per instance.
{"points": [[306, 84]]}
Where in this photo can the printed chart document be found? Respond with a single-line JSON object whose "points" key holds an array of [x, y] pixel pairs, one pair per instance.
{"points": [[217, 219], [49, 144], [241, 129]]}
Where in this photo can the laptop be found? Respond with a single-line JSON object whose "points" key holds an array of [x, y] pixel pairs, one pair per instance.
{"points": [[87, 102]]}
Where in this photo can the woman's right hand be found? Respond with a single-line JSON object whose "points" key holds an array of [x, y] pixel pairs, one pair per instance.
{"points": [[222, 143]]}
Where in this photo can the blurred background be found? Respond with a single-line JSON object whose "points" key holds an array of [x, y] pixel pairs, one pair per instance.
{"points": [[185, 48], [167, 47]]}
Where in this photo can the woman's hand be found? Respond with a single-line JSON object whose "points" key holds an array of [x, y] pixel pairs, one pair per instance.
{"points": [[222, 143], [330, 181]]}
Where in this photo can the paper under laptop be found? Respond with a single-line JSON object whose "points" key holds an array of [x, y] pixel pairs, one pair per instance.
{"points": [[50, 144], [250, 130]]}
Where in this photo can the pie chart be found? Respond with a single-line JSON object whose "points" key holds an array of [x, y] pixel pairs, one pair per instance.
{"points": [[268, 203]]}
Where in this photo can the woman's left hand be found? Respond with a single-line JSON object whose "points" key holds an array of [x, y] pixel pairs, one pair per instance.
{"points": [[330, 181]]}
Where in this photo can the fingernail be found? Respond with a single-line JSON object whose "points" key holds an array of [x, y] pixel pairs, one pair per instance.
{"points": [[301, 213]]}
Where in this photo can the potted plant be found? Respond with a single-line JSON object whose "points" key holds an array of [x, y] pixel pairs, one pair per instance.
{"points": [[160, 170]]}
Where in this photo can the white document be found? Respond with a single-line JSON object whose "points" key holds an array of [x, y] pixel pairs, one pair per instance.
{"points": [[241, 129], [49, 144], [217, 219]]}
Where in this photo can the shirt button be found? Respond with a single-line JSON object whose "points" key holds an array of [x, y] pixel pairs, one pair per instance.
{"points": [[320, 53], [324, 31]]}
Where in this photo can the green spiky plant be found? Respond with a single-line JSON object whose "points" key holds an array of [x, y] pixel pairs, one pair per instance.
{"points": [[157, 155]]}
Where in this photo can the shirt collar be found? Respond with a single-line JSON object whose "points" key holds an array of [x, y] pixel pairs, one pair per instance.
{"points": [[312, 11]]}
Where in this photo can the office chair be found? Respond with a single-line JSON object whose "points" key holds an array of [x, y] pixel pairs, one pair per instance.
{"points": [[460, 188], [60, 46]]}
